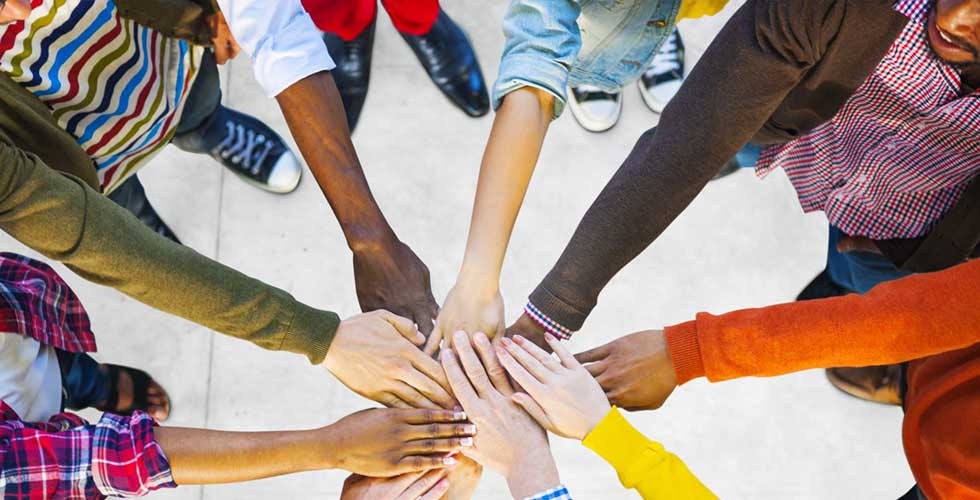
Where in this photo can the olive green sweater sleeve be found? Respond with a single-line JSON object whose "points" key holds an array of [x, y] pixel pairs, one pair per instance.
{"points": [[61, 217]]}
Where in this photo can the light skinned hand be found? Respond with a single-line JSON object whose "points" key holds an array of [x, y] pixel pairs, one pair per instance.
{"points": [[635, 371], [561, 395], [385, 442], [508, 440], [471, 306], [377, 355], [413, 486], [225, 46], [463, 478]]}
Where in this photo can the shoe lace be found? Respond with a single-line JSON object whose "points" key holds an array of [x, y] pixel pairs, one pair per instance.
{"points": [[243, 147], [668, 58]]}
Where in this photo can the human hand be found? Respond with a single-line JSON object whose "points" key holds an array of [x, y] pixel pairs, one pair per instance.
{"points": [[526, 327], [561, 395], [848, 244], [635, 370], [463, 478], [225, 46], [471, 306], [508, 440], [413, 486], [387, 442], [377, 355], [390, 276]]}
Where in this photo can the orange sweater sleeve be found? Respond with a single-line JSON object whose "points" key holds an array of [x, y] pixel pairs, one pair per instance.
{"points": [[910, 318]]}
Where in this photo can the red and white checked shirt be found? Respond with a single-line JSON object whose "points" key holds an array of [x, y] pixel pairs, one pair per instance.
{"points": [[899, 152], [66, 457]]}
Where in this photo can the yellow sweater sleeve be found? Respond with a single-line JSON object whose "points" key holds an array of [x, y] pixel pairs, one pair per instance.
{"points": [[643, 464], [693, 9]]}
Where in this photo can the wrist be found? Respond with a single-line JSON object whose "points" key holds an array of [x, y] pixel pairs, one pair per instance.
{"points": [[325, 447], [532, 473], [365, 239], [477, 280]]}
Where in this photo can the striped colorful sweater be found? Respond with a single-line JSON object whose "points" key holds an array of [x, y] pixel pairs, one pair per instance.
{"points": [[116, 86]]}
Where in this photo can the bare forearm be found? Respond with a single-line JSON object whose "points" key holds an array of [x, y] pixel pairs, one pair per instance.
{"points": [[508, 163], [199, 456], [315, 115]]}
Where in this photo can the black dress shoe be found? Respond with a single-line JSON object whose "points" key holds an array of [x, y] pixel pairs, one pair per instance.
{"points": [[446, 54], [353, 69], [131, 196]]}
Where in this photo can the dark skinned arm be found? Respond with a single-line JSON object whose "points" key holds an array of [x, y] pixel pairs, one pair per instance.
{"points": [[387, 273]]}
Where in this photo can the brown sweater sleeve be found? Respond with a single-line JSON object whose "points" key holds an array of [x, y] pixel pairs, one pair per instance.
{"points": [[758, 58], [63, 218], [914, 317]]}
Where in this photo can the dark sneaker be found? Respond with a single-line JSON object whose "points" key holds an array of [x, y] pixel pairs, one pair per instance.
{"points": [[822, 287], [447, 56], [664, 75], [353, 69], [247, 147], [594, 109], [131, 196]]}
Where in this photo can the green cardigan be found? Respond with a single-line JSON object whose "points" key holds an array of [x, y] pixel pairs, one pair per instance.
{"points": [[49, 201]]}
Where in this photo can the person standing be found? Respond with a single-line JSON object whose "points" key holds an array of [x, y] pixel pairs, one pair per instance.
{"points": [[440, 45]]}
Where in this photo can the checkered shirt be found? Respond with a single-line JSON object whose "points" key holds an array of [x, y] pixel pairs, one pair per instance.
{"points": [[37, 303], [899, 152], [66, 457], [557, 493]]}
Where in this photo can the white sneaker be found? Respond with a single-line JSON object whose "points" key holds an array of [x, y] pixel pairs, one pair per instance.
{"points": [[664, 76], [593, 109]]}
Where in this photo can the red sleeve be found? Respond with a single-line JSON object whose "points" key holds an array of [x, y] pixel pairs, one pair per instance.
{"points": [[897, 321]]}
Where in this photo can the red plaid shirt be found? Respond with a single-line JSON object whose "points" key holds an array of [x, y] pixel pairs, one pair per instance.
{"points": [[900, 151], [66, 457]]}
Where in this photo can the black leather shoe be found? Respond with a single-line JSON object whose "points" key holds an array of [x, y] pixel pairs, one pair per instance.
{"points": [[353, 69], [446, 54], [131, 196]]}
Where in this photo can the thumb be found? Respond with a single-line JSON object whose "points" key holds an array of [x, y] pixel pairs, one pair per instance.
{"points": [[435, 339], [405, 327], [534, 410]]}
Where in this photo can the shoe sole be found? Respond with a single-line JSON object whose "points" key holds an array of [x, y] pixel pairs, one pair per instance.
{"points": [[588, 124], [265, 187], [647, 99]]}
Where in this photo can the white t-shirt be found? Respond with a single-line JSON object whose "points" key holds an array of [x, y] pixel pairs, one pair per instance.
{"points": [[30, 377], [281, 39]]}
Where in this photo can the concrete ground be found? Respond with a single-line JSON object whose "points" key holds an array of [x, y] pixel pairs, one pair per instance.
{"points": [[742, 243]]}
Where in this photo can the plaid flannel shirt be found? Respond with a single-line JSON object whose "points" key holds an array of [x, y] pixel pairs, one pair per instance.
{"points": [[901, 150], [67, 457]]}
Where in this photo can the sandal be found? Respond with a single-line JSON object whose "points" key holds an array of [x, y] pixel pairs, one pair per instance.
{"points": [[141, 391]]}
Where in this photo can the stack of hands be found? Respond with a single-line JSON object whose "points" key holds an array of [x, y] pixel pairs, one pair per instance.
{"points": [[482, 403]]}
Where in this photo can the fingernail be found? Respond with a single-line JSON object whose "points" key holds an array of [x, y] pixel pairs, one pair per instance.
{"points": [[520, 339], [460, 335], [459, 415], [506, 341], [481, 337], [449, 460], [466, 442], [499, 350], [469, 428]]}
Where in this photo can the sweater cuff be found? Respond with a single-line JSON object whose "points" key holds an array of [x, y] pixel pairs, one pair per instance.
{"points": [[618, 442], [685, 351], [310, 333], [559, 311]]}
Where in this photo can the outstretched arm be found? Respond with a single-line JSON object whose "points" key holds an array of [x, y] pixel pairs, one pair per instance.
{"points": [[129, 456], [738, 83], [291, 63], [474, 304]]}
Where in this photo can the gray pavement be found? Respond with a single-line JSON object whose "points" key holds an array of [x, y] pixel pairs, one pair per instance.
{"points": [[742, 243]]}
